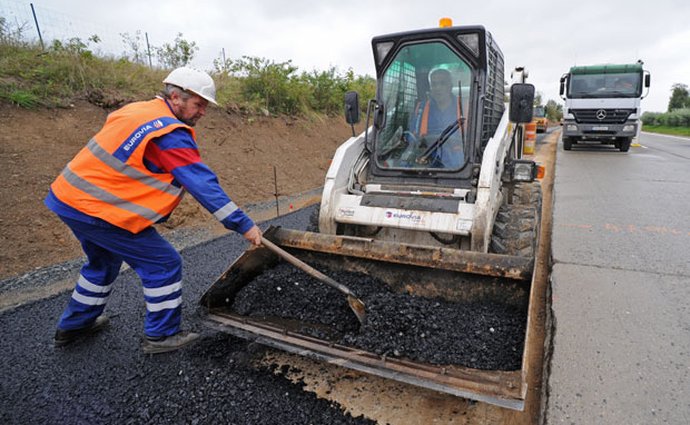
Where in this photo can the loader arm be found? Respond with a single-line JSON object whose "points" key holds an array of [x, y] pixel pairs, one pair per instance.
{"points": [[489, 195]]}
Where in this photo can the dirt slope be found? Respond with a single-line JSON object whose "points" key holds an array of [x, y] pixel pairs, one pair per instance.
{"points": [[242, 150]]}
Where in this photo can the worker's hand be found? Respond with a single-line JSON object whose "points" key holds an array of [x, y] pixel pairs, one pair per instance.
{"points": [[253, 235]]}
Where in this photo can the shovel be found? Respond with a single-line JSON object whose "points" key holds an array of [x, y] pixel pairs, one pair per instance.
{"points": [[355, 303]]}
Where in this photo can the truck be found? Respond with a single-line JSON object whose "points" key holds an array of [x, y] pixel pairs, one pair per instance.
{"points": [[602, 103], [449, 214], [540, 119]]}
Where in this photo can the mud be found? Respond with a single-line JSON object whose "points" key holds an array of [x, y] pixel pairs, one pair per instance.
{"points": [[480, 335]]}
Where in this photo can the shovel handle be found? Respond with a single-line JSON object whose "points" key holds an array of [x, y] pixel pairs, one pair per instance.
{"points": [[305, 267]]}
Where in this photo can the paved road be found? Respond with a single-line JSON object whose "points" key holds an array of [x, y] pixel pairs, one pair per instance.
{"points": [[621, 285]]}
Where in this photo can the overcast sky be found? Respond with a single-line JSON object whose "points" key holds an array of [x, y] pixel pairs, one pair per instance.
{"points": [[545, 37]]}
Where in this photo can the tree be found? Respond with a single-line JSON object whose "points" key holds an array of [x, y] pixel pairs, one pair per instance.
{"points": [[679, 97], [134, 47], [537, 99], [178, 54], [554, 110]]}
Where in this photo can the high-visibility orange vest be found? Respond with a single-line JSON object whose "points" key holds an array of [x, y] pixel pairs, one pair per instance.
{"points": [[108, 179], [421, 123]]}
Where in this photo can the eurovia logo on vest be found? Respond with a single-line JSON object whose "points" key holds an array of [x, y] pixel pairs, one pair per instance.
{"points": [[141, 133]]}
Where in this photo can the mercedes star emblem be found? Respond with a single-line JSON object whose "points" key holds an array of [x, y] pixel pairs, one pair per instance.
{"points": [[601, 114]]}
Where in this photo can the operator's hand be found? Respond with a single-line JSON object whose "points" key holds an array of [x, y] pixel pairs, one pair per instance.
{"points": [[410, 138], [253, 235]]}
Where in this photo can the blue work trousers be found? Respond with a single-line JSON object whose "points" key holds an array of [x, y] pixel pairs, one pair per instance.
{"points": [[156, 262]]}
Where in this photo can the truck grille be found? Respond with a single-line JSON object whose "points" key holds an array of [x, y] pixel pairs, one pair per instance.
{"points": [[603, 116]]}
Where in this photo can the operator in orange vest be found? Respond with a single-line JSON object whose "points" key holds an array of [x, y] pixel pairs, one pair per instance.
{"points": [[432, 116], [131, 175]]}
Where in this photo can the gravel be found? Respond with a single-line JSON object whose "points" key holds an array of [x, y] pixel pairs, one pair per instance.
{"points": [[481, 335], [106, 379]]}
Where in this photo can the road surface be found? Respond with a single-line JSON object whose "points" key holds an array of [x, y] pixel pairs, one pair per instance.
{"points": [[621, 285]]}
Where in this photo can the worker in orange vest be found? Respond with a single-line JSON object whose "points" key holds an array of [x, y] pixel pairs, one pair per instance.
{"points": [[131, 175], [434, 115]]}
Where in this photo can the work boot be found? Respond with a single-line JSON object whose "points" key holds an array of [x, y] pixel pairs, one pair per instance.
{"points": [[64, 337], [168, 343]]}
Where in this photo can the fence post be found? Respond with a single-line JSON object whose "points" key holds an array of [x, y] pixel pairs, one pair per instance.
{"points": [[148, 49], [275, 185], [38, 29]]}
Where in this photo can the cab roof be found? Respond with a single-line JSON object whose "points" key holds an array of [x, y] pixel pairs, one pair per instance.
{"points": [[471, 39], [607, 69]]}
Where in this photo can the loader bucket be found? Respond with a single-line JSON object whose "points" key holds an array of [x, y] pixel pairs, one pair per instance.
{"points": [[452, 276]]}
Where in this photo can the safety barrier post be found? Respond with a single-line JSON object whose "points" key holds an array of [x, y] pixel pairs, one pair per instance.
{"points": [[530, 138]]}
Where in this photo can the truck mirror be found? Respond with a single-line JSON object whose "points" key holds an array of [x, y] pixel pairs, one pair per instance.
{"points": [[352, 107], [647, 80], [521, 103]]}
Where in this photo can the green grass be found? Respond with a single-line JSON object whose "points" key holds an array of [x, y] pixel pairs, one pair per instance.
{"points": [[662, 129], [24, 99], [31, 77]]}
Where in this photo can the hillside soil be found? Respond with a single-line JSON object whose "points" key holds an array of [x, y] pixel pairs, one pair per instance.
{"points": [[250, 154]]}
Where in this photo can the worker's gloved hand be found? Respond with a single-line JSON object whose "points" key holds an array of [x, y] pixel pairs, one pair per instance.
{"points": [[410, 138], [253, 235]]}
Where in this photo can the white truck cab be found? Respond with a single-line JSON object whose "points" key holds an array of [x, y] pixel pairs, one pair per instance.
{"points": [[602, 103]]}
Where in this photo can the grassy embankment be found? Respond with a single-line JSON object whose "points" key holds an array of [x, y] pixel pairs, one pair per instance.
{"points": [[663, 129], [675, 122], [31, 77]]}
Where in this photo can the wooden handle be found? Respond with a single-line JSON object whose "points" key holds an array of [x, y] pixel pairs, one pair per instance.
{"points": [[305, 267]]}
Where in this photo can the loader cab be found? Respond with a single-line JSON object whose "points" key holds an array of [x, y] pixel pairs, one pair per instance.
{"points": [[439, 99]]}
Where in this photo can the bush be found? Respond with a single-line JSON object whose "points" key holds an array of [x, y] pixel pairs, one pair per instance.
{"points": [[650, 118], [675, 118], [180, 53]]}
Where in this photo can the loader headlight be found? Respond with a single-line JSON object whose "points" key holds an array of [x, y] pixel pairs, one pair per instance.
{"points": [[524, 170]]}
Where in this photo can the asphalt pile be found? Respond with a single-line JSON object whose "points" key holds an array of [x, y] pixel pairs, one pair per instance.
{"points": [[480, 335]]}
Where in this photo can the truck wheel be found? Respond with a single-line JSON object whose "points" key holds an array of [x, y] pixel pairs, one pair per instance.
{"points": [[625, 145], [515, 231], [567, 143]]}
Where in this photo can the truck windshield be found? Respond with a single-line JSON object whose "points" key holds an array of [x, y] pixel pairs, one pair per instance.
{"points": [[605, 85], [426, 93]]}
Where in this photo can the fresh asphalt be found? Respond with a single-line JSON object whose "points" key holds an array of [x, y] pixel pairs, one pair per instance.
{"points": [[106, 379], [621, 285]]}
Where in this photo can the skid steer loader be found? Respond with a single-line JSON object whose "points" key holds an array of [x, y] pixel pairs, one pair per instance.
{"points": [[431, 208]]}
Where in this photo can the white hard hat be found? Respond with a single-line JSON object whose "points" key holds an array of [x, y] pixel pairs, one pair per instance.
{"points": [[193, 80]]}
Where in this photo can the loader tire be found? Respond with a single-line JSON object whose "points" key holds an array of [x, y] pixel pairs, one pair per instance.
{"points": [[516, 231], [527, 194]]}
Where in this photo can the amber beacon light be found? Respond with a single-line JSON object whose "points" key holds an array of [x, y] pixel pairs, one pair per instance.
{"points": [[445, 22]]}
